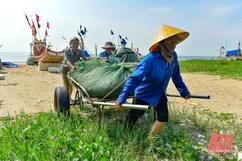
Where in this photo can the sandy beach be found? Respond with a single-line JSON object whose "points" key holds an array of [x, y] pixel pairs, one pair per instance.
{"points": [[30, 90], [27, 89]]}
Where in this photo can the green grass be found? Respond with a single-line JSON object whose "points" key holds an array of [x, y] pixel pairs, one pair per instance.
{"points": [[45, 136], [224, 68]]}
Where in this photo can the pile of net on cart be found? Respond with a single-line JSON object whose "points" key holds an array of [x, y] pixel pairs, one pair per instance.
{"points": [[101, 79]]}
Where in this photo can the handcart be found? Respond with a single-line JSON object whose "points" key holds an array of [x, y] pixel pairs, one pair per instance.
{"points": [[62, 103]]}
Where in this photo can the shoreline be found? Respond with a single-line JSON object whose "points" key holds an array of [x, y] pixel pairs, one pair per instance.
{"points": [[23, 62], [22, 58], [19, 62]]}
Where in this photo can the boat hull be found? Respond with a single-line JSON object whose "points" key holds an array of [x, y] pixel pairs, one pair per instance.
{"points": [[49, 56], [230, 58]]}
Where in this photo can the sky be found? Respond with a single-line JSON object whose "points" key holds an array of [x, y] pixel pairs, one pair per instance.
{"points": [[211, 23]]}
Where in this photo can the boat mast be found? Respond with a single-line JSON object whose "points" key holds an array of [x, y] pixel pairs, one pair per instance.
{"points": [[239, 51], [226, 47]]}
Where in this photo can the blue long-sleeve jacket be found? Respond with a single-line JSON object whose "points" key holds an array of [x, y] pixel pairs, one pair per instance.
{"points": [[103, 54], [151, 78]]}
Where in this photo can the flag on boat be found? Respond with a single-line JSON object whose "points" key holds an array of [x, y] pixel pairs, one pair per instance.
{"points": [[27, 20], [37, 20], [48, 25], [34, 31], [46, 33], [122, 40], [112, 32], [79, 33], [63, 37], [39, 25], [82, 32]]}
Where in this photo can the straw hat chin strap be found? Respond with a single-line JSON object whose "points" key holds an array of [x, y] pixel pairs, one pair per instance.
{"points": [[167, 50]]}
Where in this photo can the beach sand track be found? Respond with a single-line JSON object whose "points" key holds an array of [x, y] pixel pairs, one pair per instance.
{"points": [[31, 90]]}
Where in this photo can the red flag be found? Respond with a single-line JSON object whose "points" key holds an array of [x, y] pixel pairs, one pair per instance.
{"points": [[37, 18], [48, 25], [27, 20], [34, 32], [46, 33]]}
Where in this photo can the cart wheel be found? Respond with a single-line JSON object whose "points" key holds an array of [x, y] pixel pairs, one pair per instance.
{"points": [[81, 103], [61, 101]]}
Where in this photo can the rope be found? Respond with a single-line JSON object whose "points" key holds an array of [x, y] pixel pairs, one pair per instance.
{"points": [[113, 90]]}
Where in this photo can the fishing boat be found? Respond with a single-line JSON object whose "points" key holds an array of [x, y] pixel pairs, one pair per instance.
{"points": [[41, 52], [230, 58], [230, 54]]}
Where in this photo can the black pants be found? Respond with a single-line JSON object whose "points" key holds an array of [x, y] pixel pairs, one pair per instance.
{"points": [[133, 114]]}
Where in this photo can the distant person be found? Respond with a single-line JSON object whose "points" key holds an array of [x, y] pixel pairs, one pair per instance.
{"points": [[109, 47], [151, 77], [72, 55]]}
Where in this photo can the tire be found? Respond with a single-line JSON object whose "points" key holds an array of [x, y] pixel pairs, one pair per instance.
{"points": [[61, 101]]}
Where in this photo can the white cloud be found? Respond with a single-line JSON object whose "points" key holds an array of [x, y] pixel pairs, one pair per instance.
{"points": [[160, 9], [223, 11]]}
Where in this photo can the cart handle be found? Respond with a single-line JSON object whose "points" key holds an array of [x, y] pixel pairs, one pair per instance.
{"points": [[130, 106], [191, 96]]}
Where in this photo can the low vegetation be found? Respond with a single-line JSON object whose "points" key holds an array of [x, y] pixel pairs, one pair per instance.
{"points": [[47, 136], [225, 68]]}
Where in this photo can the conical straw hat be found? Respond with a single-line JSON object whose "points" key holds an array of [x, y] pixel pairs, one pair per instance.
{"points": [[166, 32]]}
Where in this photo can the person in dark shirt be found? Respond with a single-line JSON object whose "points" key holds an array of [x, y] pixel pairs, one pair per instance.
{"points": [[72, 55]]}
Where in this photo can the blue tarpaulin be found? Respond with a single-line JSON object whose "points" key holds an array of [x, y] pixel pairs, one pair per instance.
{"points": [[232, 53], [86, 53], [9, 65]]}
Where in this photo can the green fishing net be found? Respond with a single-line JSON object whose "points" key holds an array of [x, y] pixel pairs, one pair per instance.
{"points": [[100, 78]]}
